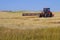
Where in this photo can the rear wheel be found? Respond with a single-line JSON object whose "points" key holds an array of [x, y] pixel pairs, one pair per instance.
{"points": [[51, 14], [48, 14], [41, 15], [45, 15]]}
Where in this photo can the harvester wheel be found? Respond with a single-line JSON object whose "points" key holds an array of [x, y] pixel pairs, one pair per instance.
{"points": [[51, 15], [45, 15], [41, 15]]}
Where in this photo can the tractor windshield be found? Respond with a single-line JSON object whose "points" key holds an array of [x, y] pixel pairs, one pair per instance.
{"points": [[46, 9]]}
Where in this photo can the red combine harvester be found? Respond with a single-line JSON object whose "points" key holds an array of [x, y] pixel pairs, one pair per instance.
{"points": [[46, 13]]}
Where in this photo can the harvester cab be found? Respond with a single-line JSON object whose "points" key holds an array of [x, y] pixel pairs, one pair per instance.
{"points": [[46, 13], [46, 10]]}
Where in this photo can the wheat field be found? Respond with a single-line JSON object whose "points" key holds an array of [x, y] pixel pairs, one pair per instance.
{"points": [[16, 20], [14, 26]]}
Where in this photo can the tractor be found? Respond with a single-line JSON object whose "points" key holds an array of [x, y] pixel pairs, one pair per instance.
{"points": [[46, 13]]}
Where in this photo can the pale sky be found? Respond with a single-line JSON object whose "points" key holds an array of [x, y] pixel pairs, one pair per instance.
{"points": [[29, 4]]}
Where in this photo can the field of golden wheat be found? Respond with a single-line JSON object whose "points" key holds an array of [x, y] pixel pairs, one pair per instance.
{"points": [[16, 20], [14, 26]]}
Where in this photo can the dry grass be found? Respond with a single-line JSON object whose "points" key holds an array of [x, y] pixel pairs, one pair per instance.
{"points": [[34, 34], [18, 27], [17, 20]]}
